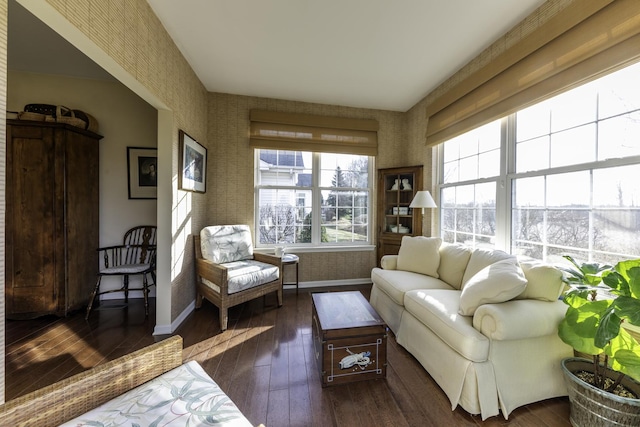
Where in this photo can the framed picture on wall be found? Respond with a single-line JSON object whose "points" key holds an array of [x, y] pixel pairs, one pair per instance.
{"points": [[142, 166], [193, 165]]}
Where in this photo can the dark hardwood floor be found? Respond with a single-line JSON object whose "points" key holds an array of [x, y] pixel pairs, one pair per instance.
{"points": [[264, 362]]}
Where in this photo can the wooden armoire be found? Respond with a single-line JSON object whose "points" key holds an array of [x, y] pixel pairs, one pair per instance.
{"points": [[52, 218]]}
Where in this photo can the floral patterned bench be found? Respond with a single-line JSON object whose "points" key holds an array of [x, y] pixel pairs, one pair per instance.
{"points": [[148, 387], [183, 396]]}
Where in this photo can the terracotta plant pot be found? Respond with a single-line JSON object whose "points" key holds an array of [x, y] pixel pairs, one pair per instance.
{"points": [[591, 406]]}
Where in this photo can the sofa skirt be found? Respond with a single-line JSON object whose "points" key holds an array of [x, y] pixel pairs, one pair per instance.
{"points": [[469, 384], [386, 308]]}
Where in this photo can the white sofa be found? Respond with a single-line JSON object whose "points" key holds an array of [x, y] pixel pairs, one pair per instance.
{"points": [[481, 322]]}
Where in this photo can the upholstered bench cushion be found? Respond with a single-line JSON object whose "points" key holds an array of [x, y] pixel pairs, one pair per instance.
{"points": [[438, 310], [183, 396], [395, 283]]}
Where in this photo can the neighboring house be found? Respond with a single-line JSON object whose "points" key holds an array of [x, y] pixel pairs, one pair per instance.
{"points": [[282, 208], [284, 168]]}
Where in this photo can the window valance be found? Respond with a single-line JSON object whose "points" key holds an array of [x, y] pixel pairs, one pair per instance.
{"points": [[584, 41], [307, 132]]}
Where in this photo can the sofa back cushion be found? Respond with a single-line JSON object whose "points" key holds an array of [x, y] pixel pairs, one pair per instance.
{"points": [[481, 258], [226, 243], [544, 282], [499, 282], [420, 254], [453, 262]]}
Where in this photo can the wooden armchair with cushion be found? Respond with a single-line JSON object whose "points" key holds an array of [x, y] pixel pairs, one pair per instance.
{"points": [[229, 273]]}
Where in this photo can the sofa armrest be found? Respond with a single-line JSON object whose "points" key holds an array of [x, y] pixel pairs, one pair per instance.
{"points": [[519, 319], [389, 262]]}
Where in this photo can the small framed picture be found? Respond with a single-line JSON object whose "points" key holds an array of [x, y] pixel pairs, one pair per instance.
{"points": [[193, 165], [142, 164]]}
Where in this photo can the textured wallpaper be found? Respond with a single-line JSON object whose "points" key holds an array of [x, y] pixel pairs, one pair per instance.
{"points": [[231, 174], [131, 34]]}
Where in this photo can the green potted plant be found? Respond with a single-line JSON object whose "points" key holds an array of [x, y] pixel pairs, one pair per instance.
{"points": [[602, 298]]}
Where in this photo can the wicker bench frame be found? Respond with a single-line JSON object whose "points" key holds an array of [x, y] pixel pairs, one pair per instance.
{"points": [[74, 396]]}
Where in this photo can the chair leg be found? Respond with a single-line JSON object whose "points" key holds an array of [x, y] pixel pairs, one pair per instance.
{"points": [[279, 294], [224, 318], [145, 293], [126, 288], [93, 297]]}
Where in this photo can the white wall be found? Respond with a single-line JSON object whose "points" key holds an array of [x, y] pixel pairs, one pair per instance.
{"points": [[125, 121]]}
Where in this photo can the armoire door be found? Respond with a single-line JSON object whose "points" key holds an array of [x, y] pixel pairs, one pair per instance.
{"points": [[82, 210], [33, 273]]}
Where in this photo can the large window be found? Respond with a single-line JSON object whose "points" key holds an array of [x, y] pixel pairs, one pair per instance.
{"points": [[471, 167], [569, 182], [312, 199]]}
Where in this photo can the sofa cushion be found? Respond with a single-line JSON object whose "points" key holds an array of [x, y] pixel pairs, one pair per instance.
{"points": [[226, 243], [395, 283], [544, 282], [498, 282], [453, 262], [438, 310], [420, 254], [480, 258]]}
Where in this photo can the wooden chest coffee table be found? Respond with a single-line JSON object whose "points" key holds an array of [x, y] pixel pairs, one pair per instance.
{"points": [[349, 338]]}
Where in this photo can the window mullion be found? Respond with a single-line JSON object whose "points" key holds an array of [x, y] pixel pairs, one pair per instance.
{"points": [[316, 216], [503, 185]]}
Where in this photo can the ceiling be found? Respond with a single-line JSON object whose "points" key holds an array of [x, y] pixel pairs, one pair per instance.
{"points": [[378, 54]]}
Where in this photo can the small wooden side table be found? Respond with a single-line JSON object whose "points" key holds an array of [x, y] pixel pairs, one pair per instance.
{"points": [[290, 259]]}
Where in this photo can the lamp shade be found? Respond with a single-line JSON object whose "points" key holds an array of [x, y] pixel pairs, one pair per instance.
{"points": [[423, 199]]}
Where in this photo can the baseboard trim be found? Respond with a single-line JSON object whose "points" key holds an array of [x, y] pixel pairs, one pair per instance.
{"points": [[169, 329], [330, 283]]}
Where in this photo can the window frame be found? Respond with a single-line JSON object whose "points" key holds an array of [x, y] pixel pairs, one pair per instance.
{"points": [[505, 183], [316, 196]]}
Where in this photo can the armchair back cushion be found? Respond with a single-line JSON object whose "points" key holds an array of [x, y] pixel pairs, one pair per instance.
{"points": [[226, 243]]}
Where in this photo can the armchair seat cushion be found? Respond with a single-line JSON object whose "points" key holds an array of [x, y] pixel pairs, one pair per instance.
{"points": [[246, 274], [126, 269]]}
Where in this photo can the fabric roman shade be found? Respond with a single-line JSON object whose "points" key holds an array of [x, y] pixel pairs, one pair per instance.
{"points": [[585, 40], [306, 132]]}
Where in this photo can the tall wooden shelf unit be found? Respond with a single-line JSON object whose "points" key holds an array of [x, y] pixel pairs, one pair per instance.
{"points": [[395, 218], [52, 218]]}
